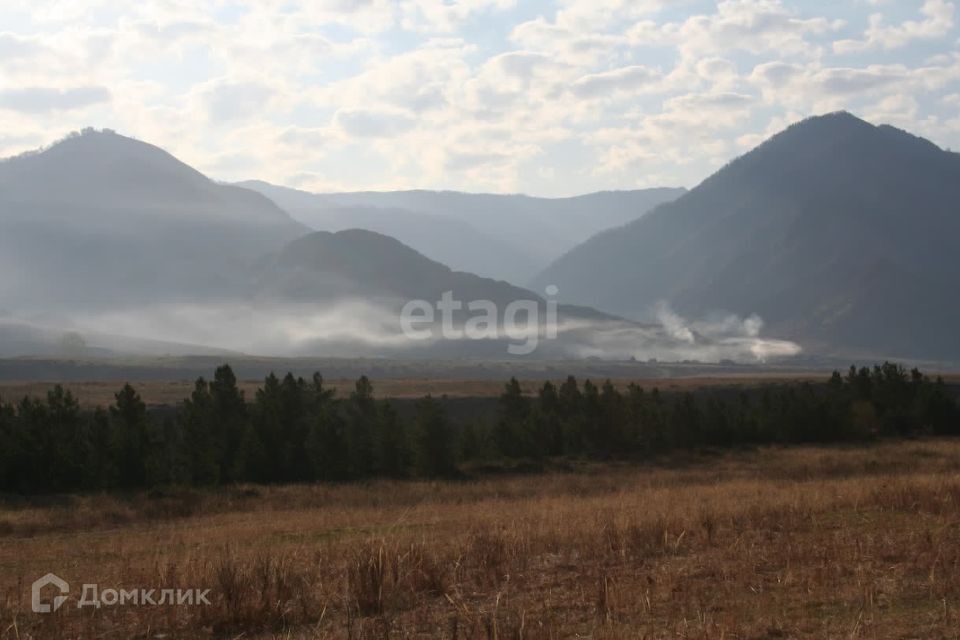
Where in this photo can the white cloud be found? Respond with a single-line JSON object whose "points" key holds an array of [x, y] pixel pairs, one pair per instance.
{"points": [[895, 109], [373, 123], [556, 97], [44, 99], [568, 44], [597, 14], [377, 16], [438, 15], [226, 101], [776, 74], [755, 26], [627, 80], [14, 46], [857, 81], [936, 23], [815, 89]]}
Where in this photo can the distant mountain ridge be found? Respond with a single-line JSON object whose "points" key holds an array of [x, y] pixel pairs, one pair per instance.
{"points": [[842, 235], [509, 237], [445, 238], [111, 171], [361, 263], [101, 218], [117, 239], [365, 265]]}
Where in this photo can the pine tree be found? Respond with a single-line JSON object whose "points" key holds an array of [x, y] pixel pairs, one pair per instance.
{"points": [[591, 415], [10, 449], [165, 463], [571, 415], [434, 448], [268, 429], [613, 417], [130, 429], [263, 447], [393, 453], [940, 412], [202, 454], [295, 417], [229, 421], [686, 422], [471, 445], [64, 443], [326, 447], [28, 463], [512, 433], [550, 428], [361, 425], [100, 466], [636, 428]]}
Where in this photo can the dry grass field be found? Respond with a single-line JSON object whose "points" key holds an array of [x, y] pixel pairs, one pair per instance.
{"points": [[772, 543]]}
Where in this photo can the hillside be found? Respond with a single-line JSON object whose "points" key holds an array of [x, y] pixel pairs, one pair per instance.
{"points": [[99, 218], [444, 238], [358, 263], [510, 237], [346, 291], [841, 235]]}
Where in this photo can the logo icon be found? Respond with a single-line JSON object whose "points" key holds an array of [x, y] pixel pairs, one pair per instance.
{"points": [[38, 586]]}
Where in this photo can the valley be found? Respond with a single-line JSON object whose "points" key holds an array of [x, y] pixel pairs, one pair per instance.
{"points": [[479, 320]]}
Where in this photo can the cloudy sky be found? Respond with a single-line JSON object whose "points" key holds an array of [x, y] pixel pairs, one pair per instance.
{"points": [[547, 98]]}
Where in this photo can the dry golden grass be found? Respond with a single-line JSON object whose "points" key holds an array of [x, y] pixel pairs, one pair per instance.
{"points": [[807, 542]]}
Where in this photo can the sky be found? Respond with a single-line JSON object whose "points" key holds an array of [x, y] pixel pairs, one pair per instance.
{"points": [[530, 96]]}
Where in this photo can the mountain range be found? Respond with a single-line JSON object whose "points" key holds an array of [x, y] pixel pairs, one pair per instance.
{"points": [[841, 235], [507, 237], [117, 238], [835, 236]]}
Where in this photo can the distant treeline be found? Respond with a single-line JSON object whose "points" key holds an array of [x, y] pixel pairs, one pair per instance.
{"points": [[296, 430]]}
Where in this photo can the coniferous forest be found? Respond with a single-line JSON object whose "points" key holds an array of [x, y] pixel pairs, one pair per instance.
{"points": [[295, 430]]}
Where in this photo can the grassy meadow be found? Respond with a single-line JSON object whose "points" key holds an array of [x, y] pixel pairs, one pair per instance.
{"points": [[811, 542]]}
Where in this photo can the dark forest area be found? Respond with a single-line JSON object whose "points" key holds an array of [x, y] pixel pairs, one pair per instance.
{"points": [[298, 430]]}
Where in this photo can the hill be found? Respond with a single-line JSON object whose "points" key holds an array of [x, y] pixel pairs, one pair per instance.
{"points": [[100, 218], [356, 284], [510, 237], [444, 238], [841, 235], [364, 264]]}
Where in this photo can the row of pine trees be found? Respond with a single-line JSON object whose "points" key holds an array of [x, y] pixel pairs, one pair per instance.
{"points": [[295, 430], [604, 422]]}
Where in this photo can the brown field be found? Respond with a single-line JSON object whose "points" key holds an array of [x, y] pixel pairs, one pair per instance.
{"points": [[773, 543]]}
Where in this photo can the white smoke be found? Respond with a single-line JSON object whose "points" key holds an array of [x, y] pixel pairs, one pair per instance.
{"points": [[673, 324], [674, 339], [275, 330], [364, 328]]}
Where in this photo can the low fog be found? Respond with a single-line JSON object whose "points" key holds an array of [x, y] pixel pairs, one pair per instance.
{"points": [[360, 328]]}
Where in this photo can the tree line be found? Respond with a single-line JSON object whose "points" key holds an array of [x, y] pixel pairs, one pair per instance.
{"points": [[297, 430]]}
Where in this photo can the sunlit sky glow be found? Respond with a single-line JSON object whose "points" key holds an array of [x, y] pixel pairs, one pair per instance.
{"points": [[546, 98]]}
